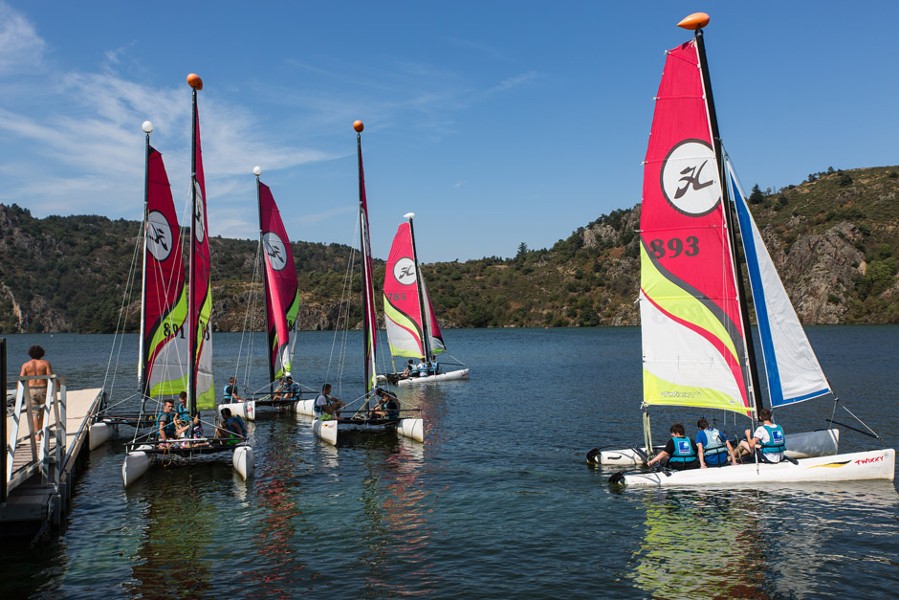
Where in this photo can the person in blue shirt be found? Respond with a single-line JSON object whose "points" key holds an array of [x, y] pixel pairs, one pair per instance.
{"points": [[680, 451], [713, 447], [165, 421], [291, 390], [231, 394], [768, 439], [232, 428], [388, 406]]}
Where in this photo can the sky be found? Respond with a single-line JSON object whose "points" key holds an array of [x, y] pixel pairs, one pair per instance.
{"points": [[496, 122]]}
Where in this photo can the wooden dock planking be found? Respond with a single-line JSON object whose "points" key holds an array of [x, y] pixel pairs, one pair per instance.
{"points": [[37, 501]]}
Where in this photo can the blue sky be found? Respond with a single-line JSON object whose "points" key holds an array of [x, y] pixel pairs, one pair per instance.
{"points": [[497, 122]]}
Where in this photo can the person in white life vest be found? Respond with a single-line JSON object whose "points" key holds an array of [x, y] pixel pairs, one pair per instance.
{"points": [[768, 439]]}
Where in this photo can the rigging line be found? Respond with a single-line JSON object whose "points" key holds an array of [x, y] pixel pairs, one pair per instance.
{"points": [[865, 425]]}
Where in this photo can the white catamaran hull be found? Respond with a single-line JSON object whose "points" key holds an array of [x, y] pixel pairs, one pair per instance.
{"points": [[448, 376], [857, 466], [135, 465], [97, 435], [805, 444], [305, 407], [245, 410], [244, 461], [329, 430]]}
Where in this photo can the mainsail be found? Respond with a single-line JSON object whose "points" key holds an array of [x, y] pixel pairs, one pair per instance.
{"points": [[282, 296], [164, 298], [406, 326], [368, 287], [694, 344], [791, 367], [201, 391]]}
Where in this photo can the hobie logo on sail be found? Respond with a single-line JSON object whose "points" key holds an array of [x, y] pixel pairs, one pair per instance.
{"points": [[275, 250], [159, 236], [404, 271], [199, 217], [689, 178]]}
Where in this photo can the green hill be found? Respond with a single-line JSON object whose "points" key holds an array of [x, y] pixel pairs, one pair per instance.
{"points": [[834, 237]]}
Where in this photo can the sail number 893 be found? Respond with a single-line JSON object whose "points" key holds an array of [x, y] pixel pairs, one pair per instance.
{"points": [[674, 247]]}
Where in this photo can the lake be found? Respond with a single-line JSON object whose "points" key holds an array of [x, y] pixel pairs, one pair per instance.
{"points": [[497, 503]]}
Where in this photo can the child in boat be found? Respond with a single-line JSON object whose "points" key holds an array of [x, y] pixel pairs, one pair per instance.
{"points": [[713, 447], [680, 451], [768, 439]]}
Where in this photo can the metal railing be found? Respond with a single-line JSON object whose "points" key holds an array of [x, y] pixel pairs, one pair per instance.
{"points": [[45, 457]]}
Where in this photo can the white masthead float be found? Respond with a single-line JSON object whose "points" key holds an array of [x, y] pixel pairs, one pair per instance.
{"points": [[697, 344]]}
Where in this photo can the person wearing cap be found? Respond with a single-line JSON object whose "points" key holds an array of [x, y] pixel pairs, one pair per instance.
{"points": [[289, 389], [388, 406], [327, 406]]}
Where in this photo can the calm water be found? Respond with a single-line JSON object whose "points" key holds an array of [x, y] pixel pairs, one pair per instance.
{"points": [[497, 503]]}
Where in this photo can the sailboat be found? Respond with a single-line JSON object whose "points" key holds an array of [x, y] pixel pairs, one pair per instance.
{"points": [[697, 344], [412, 328], [282, 299], [329, 430], [167, 313]]}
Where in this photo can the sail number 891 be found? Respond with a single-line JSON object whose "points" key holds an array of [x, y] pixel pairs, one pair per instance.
{"points": [[674, 247]]}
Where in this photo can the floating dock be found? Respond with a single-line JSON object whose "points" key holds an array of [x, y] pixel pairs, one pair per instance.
{"points": [[36, 494]]}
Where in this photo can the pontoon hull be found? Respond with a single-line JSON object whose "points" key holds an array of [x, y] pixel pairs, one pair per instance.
{"points": [[244, 461], [448, 376], [135, 465], [326, 430], [857, 466], [799, 445], [305, 407], [245, 410], [412, 429], [97, 435]]}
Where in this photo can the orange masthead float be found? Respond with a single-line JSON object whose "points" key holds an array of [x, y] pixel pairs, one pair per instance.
{"points": [[358, 126], [697, 20], [194, 81]]}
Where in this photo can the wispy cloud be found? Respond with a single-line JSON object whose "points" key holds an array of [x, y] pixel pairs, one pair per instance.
{"points": [[20, 46]]}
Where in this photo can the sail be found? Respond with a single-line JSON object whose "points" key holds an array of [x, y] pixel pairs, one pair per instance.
{"points": [[164, 345], [282, 296], [693, 339], [791, 367], [368, 287], [403, 305], [201, 281]]}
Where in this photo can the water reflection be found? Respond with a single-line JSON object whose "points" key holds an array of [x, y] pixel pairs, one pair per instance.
{"points": [[170, 561]]}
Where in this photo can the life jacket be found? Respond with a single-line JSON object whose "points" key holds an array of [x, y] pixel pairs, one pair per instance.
{"points": [[229, 392], [714, 443], [183, 413], [392, 406], [776, 442], [318, 409], [168, 420], [683, 451]]}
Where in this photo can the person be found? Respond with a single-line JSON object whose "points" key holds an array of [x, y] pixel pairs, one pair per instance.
{"points": [[232, 427], [435, 368], [165, 421], [327, 406], [713, 448], [282, 387], [196, 430], [680, 451], [407, 372], [768, 438], [422, 368], [182, 412], [291, 389], [37, 366], [231, 394], [388, 406]]}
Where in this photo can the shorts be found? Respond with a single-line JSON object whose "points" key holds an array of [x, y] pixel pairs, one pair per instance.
{"points": [[38, 396]]}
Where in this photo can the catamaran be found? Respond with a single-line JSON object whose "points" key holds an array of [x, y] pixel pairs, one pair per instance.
{"points": [[697, 345], [169, 309], [412, 329], [282, 301], [363, 420]]}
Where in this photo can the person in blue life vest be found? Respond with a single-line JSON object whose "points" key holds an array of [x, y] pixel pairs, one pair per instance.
{"points": [[289, 389], [712, 446], [435, 367], [680, 451], [768, 439], [327, 406], [388, 406], [232, 427], [165, 421], [230, 393], [181, 410]]}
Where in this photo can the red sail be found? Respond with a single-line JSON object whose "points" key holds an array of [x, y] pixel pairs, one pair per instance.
{"points": [[282, 298]]}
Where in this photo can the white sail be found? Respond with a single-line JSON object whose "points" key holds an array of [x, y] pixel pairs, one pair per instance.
{"points": [[792, 369]]}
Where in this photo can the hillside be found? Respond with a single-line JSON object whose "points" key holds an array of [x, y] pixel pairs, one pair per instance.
{"points": [[834, 237]]}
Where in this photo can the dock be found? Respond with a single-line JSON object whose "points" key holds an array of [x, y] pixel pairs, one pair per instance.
{"points": [[41, 470]]}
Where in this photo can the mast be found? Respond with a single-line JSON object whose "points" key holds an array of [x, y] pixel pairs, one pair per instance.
{"points": [[425, 317], [147, 126], [369, 340], [195, 84], [257, 171], [696, 22]]}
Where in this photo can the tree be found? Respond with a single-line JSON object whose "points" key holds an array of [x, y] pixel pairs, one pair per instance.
{"points": [[522, 250], [756, 197]]}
